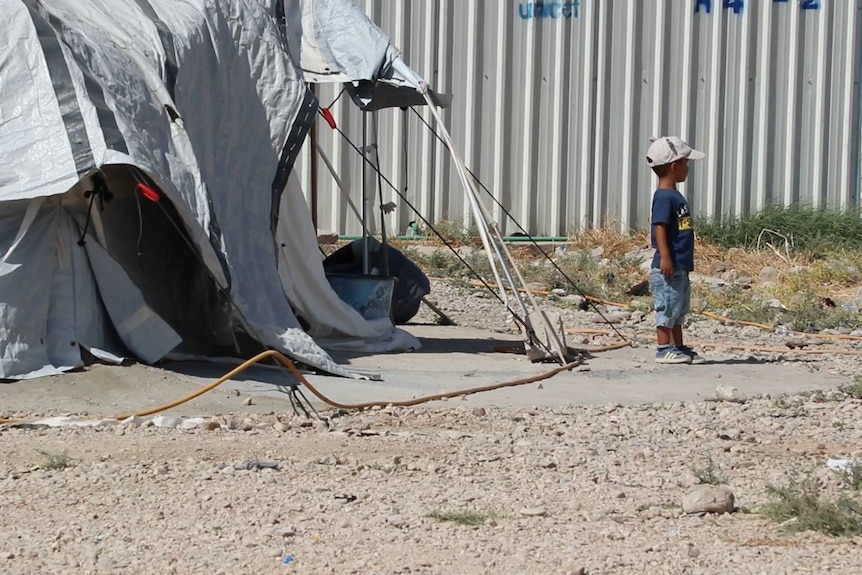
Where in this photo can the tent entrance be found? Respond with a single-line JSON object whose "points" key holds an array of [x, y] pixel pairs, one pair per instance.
{"points": [[152, 246]]}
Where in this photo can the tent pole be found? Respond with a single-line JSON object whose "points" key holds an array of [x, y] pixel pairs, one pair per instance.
{"points": [[364, 194], [313, 139], [380, 202]]}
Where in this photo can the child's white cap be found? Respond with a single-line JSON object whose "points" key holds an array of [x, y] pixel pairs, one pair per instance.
{"points": [[669, 149]]}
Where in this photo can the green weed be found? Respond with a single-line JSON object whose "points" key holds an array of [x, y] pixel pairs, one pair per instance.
{"points": [[461, 517], [54, 461], [709, 473], [793, 229], [801, 507]]}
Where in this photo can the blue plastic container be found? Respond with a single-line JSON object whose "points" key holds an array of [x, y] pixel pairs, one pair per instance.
{"points": [[371, 296]]}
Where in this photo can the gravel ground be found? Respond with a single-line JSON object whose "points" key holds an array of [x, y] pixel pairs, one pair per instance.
{"points": [[477, 308], [567, 490]]}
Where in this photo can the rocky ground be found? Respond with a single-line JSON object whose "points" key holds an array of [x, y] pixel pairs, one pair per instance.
{"points": [[634, 322], [576, 489]]}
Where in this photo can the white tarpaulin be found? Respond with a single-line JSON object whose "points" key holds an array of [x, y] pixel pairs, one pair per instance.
{"points": [[101, 100], [333, 41]]}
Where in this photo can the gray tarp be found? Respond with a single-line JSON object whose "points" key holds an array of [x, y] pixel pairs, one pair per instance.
{"points": [[333, 41], [196, 97]]}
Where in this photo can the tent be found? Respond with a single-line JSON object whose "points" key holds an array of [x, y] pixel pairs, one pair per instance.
{"points": [[148, 205]]}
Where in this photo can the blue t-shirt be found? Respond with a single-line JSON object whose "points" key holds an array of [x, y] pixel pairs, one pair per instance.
{"points": [[670, 208]]}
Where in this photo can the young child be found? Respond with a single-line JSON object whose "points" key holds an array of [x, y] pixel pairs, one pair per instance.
{"points": [[672, 236]]}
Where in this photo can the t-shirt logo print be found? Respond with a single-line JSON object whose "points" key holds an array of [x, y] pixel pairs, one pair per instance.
{"points": [[683, 217]]}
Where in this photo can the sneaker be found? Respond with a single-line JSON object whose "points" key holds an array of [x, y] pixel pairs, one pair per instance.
{"points": [[671, 355], [695, 357]]}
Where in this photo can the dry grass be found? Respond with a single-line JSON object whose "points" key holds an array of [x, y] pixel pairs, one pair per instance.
{"points": [[614, 243], [805, 278]]}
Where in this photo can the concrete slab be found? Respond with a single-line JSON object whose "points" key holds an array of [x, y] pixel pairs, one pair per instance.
{"points": [[452, 358], [455, 358]]}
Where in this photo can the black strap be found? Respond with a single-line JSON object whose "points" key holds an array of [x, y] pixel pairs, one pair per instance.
{"points": [[100, 190]]}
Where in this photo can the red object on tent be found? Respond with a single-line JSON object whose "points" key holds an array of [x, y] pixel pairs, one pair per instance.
{"points": [[148, 192], [327, 115]]}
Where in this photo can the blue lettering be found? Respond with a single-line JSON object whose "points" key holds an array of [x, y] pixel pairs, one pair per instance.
{"points": [[540, 9], [705, 4], [556, 9], [735, 5]]}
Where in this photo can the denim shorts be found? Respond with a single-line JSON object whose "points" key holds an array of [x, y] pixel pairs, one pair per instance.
{"points": [[671, 296]]}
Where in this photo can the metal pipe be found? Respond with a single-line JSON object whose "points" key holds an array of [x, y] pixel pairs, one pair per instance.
{"points": [[364, 193]]}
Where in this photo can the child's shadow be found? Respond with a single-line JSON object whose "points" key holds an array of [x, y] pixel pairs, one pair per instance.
{"points": [[737, 361]]}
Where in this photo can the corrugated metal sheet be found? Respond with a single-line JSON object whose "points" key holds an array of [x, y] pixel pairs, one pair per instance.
{"points": [[553, 113]]}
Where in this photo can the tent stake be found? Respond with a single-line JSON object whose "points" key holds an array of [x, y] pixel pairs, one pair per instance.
{"points": [[444, 319]]}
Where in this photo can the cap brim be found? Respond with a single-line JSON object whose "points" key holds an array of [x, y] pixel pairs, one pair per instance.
{"points": [[696, 155]]}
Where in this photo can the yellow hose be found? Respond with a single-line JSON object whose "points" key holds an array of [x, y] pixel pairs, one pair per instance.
{"points": [[286, 362]]}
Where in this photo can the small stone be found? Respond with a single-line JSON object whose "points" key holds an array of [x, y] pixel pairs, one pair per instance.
{"points": [[167, 421], [620, 495], [795, 342], [769, 274], [688, 479], [730, 393], [708, 499], [189, 424], [228, 470], [693, 551], [730, 435], [540, 386], [730, 275], [534, 512], [573, 299], [248, 401], [479, 411], [396, 521], [609, 317], [281, 426], [133, 421], [212, 425]]}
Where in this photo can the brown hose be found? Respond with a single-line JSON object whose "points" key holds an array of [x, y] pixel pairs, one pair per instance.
{"points": [[286, 362]]}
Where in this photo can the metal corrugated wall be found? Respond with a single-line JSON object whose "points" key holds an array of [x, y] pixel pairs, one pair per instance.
{"points": [[553, 113]]}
